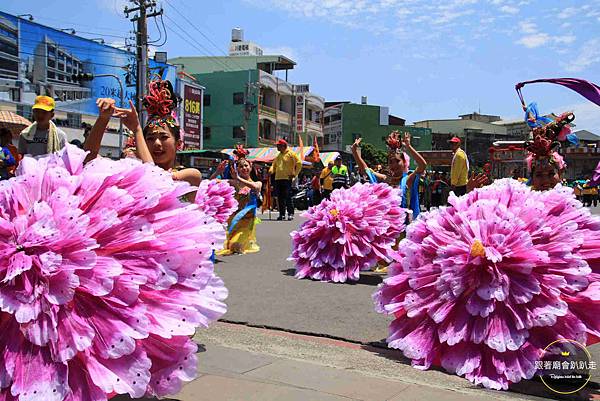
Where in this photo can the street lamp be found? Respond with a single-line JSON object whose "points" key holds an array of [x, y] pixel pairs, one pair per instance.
{"points": [[68, 30], [99, 40], [89, 77], [26, 15]]}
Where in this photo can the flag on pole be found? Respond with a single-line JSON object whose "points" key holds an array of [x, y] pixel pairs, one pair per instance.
{"points": [[301, 145], [316, 156]]}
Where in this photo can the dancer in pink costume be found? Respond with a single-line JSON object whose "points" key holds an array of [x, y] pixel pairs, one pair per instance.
{"points": [[348, 233], [217, 199], [93, 299], [483, 286]]}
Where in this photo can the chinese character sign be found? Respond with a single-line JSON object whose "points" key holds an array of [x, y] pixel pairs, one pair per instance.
{"points": [[192, 115], [299, 113]]}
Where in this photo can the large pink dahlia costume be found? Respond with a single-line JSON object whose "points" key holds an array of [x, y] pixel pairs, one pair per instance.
{"points": [[216, 198], [104, 275], [347, 233], [483, 286]]}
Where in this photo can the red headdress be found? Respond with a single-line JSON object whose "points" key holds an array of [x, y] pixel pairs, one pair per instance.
{"points": [[160, 103], [394, 144], [240, 152], [546, 141]]}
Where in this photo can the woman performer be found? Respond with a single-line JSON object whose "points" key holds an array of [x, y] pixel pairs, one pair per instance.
{"points": [[158, 141], [241, 231], [397, 174]]}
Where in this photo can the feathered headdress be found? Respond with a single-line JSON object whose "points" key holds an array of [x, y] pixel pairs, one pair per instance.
{"points": [[548, 133], [240, 152], [394, 144], [160, 103]]}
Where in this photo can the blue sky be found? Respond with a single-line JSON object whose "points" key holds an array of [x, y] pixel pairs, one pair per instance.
{"points": [[423, 59]]}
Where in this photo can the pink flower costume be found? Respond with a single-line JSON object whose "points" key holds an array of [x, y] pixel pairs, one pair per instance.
{"points": [[93, 299], [216, 198], [348, 233], [483, 286]]}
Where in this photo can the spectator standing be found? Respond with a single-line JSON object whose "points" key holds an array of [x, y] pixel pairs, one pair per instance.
{"points": [[43, 136], [286, 167], [7, 160], [326, 178], [315, 185], [459, 171], [340, 174]]}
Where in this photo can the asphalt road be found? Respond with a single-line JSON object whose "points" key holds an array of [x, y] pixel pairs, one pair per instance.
{"points": [[264, 292]]}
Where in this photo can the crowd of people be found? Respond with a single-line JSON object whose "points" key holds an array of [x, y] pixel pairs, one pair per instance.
{"points": [[457, 264]]}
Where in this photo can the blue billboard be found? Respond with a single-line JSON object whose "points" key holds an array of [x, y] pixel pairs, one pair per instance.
{"points": [[39, 60]]}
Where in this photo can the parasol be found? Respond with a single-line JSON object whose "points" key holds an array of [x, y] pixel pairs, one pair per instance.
{"points": [[14, 122]]}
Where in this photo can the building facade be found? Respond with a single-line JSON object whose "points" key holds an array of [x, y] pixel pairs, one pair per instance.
{"points": [[245, 102], [344, 122], [477, 131], [36, 59], [582, 159]]}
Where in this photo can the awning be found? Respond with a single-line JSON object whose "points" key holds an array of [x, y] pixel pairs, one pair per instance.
{"points": [[268, 154], [327, 157]]}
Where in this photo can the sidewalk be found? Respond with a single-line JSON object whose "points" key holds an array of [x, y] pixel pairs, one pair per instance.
{"points": [[237, 362]]}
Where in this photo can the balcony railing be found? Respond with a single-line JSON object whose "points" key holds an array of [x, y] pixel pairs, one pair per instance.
{"points": [[314, 126], [267, 111], [283, 117]]}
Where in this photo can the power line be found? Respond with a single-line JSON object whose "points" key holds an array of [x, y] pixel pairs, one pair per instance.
{"points": [[86, 62], [202, 33], [72, 23], [88, 48], [205, 51]]}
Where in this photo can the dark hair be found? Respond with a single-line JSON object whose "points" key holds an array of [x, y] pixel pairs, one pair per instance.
{"points": [[77, 143], [173, 130], [5, 131]]}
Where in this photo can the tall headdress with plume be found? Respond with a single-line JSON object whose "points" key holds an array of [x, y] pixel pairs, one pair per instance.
{"points": [[160, 103], [394, 144], [240, 152]]}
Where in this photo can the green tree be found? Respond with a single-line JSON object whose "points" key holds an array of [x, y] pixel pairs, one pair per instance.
{"points": [[372, 156]]}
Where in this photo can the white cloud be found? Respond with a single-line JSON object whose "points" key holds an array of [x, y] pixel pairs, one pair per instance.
{"points": [[568, 12], [565, 25], [509, 9], [566, 39], [587, 116], [589, 54], [534, 40], [284, 51], [528, 27]]}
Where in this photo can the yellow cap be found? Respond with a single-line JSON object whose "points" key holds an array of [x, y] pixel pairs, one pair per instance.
{"points": [[43, 103]]}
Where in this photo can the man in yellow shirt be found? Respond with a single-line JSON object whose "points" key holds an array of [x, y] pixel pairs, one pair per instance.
{"points": [[327, 180], [286, 166], [459, 171]]}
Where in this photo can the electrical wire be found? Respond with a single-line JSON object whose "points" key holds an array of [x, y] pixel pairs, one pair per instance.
{"points": [[205, 36], [205, 51]]}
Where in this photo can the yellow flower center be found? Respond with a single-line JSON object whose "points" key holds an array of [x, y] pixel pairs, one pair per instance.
{"points": [[334, 212], [477, 249]]}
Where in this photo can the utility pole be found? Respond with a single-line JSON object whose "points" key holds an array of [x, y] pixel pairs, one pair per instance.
{"points": [[142, 7]]}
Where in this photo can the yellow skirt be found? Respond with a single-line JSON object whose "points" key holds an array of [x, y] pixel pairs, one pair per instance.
{"points": [[242, 239]]}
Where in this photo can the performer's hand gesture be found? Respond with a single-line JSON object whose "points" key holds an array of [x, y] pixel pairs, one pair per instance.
{"points": [[106, 107], [356, 143], [406, 140], [128, 116], [476, 181], [221, 167]]}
